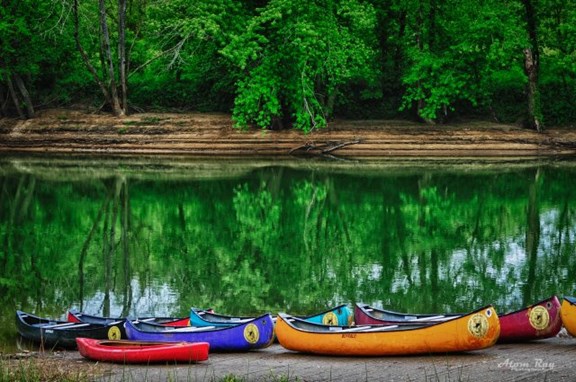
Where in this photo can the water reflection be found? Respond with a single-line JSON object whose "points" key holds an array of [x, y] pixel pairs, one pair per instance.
{"points": [[152, 236]]}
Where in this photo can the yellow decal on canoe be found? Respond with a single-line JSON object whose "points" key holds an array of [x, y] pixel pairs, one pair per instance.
{"points": [[539, 317], [251, 333], [478, 325], [330, 318], [114, 333]]}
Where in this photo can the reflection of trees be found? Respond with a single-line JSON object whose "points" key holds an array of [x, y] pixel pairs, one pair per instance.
{"points": [[532, 238], [15, 258], [280, 239], [113, 215]]}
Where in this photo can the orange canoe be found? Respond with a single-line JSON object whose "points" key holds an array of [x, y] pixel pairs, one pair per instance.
{"points": [[568, 314], [477, 330]]}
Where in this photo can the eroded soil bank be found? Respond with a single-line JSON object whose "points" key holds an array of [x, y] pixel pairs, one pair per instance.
{"points": [[69, 131]]}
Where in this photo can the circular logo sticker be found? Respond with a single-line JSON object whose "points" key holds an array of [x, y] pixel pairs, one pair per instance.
{"points": [[539, 317], [330, 318], [478, 325], [114, 333], [251, 333]]}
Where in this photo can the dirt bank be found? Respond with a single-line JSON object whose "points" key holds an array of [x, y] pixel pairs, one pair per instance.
{"points": [[68, 131]]}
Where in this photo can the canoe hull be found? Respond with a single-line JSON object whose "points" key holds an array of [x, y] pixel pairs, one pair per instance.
{"points": [[339, 315], [477, 330], [126, 351], [368, 315], [255, 334], [62, 334], [568, 314], [538, 321], [74, 316]]}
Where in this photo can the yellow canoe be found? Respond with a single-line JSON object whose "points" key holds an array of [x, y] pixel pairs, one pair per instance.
{"points": [[568, 314], [477, 330]]}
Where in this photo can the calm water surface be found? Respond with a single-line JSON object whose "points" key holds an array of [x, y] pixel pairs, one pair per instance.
{"points": [[136, 237]]}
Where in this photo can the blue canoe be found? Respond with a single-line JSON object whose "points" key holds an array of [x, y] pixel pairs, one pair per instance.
{"points": [[257, 333], [340, 315]]}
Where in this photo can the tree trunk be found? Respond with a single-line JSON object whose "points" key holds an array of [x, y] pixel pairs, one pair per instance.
{"points": [[122, 52], [3, 100], [115, 101], [27, 100], [14, 96], [85, 56], [532, 68]]}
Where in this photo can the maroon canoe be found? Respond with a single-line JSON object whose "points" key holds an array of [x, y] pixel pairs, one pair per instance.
{"points": [[126, 351], [538, 321]]}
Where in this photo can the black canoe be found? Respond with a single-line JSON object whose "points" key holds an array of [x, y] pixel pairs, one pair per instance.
{"points": [[81, 317], [63, 334]]}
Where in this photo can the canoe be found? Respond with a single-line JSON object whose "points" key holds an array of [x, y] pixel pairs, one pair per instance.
{"points": [[63, 334], [568, 314], [537, 321], [126, 351], [255, 334], [75, 316], [365, 314], [477, 330], [339, 315]]}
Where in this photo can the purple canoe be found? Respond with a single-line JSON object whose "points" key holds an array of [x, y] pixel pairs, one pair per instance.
{"points": [[254, 334]]}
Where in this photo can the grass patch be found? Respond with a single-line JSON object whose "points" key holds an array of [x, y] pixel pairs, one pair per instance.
{"points": [[43, 370]]}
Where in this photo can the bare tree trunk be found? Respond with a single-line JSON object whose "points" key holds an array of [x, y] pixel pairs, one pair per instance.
{"points": [[3, 101], [85, 56], [122, 52], [14, 96], [25, 95], [532, 67], [116, 108], [531, 70]]}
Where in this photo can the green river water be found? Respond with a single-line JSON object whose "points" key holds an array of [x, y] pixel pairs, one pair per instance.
{"points": [[155, 236]]}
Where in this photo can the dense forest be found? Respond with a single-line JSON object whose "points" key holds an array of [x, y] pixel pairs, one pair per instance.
{"points": [[294, 64]]}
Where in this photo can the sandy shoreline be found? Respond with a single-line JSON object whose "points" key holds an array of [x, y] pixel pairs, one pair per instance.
{"points": [[196, 135]]}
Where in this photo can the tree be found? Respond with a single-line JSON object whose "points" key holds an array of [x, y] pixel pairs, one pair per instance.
{"points": [[107, 81], [532, 66], [294, 59], [456, 51], [19, 51], [557, 75]]}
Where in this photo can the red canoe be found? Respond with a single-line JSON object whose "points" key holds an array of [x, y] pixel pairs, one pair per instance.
{"points": [[126, 351], [537, 321]]}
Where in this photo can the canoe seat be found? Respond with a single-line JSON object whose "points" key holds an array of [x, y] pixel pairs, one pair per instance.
{"points": [[432, 318], [71, 325], [354, 329], [191, 329], [49, 326], [378, 328]]}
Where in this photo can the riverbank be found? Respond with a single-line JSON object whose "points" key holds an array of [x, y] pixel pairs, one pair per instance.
{"points": [[546, 360], [69, 131]]}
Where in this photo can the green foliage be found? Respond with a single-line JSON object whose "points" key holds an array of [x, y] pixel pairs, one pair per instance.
{"points": [[279, 64], [294, 59]]}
